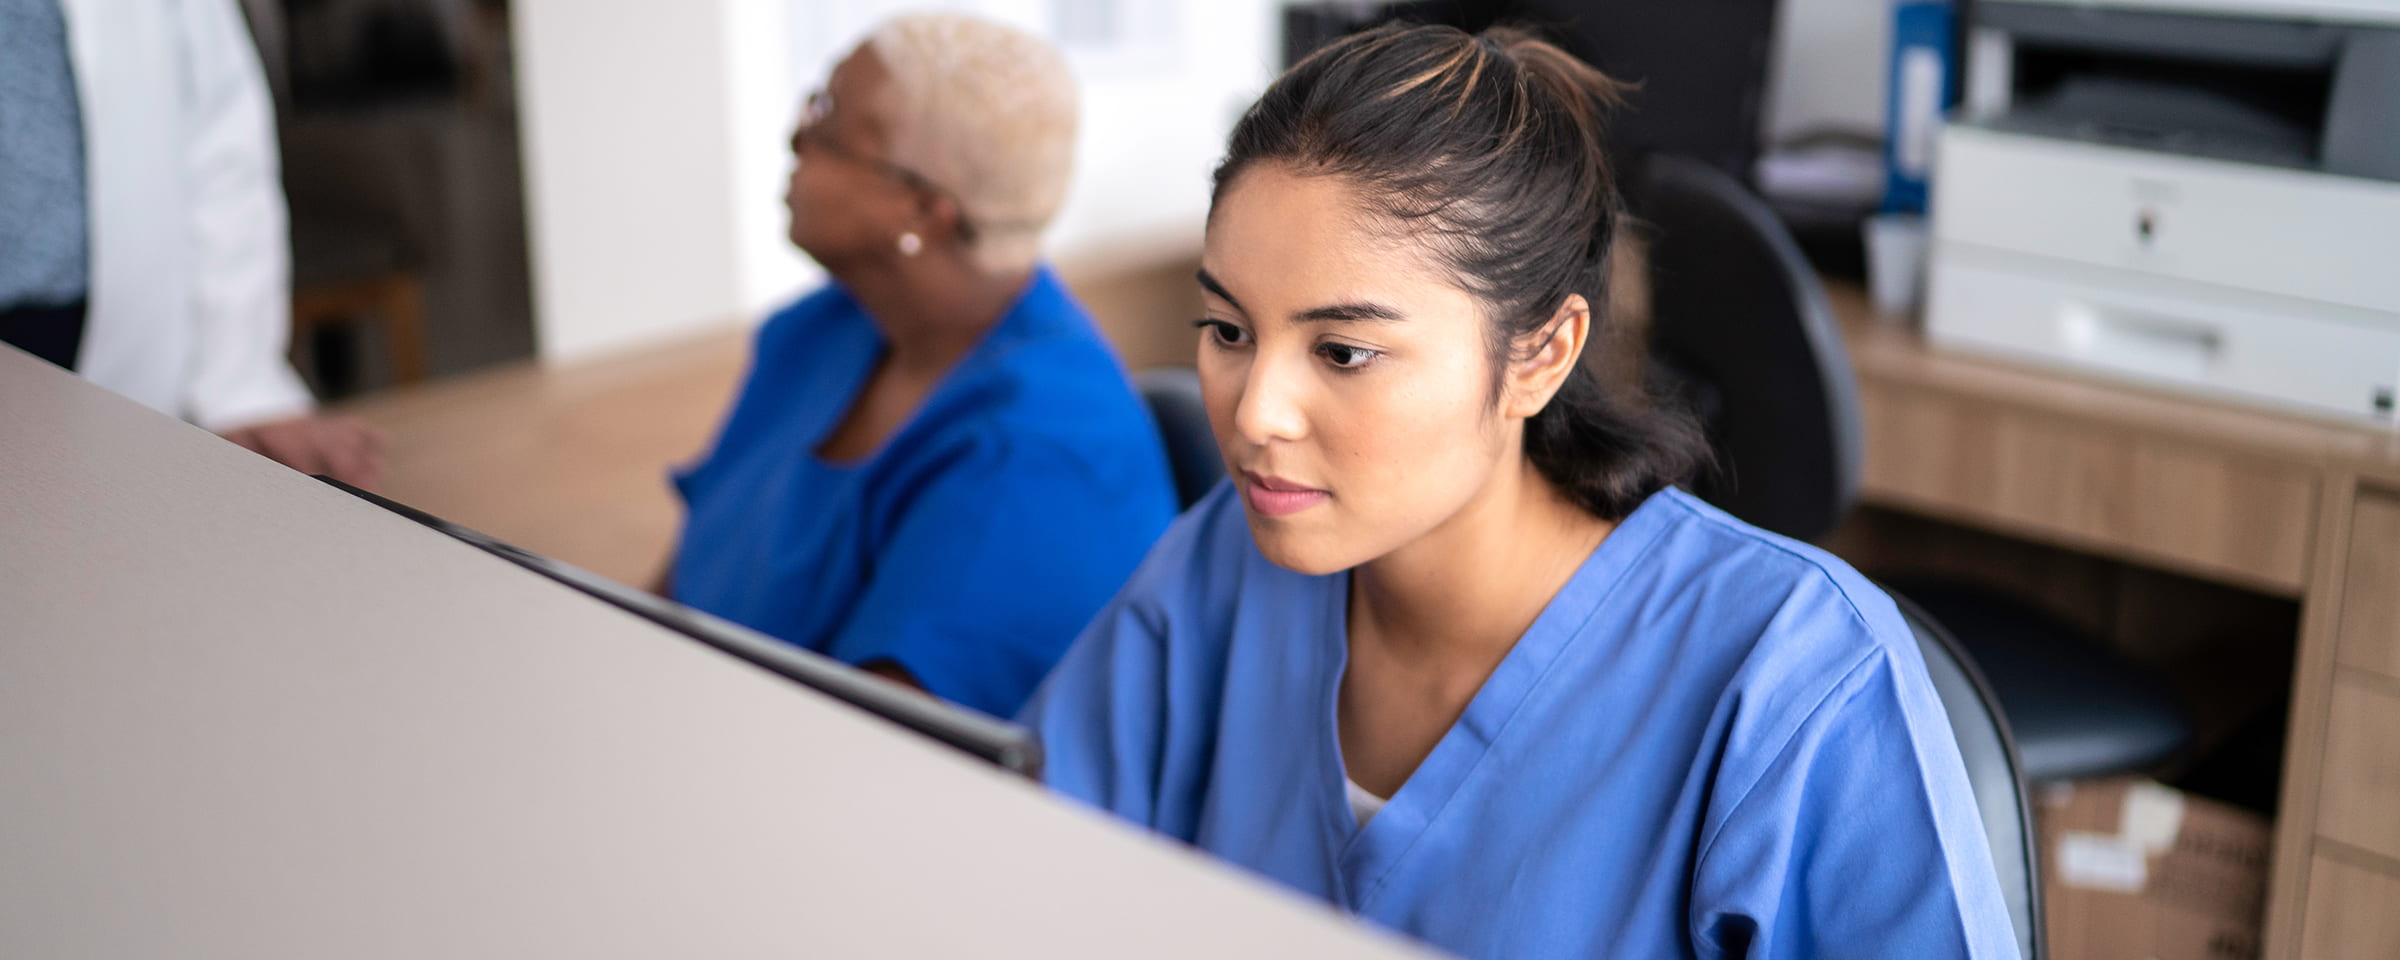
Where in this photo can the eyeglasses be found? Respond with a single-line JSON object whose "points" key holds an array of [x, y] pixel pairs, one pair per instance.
{"points": [[813, 135]]}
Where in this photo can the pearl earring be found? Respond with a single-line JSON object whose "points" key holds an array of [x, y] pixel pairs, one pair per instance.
{"points": [[911, 244]]}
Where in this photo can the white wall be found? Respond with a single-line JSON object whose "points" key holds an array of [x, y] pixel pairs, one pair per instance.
{"points": [[621, 118], [764, 87], [1153, 130], [646, 136]]}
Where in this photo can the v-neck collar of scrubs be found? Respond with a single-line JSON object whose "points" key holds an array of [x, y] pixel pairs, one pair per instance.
{"points": [[1374, 848], [1017, 323]]}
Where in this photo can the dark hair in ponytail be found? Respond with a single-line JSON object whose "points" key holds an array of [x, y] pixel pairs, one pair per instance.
{"points": [[1489, 146]]}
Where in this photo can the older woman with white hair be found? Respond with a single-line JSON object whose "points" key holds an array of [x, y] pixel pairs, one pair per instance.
{"points": [[937, 469]]}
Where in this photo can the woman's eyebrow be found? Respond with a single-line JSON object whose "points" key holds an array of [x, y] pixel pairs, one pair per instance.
{"points": [[1351, 313], [1332, 313], [1210, 284]]}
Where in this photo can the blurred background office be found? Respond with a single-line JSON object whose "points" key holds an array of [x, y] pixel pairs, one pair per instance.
{"points": [[641, 216], [403, 121]]}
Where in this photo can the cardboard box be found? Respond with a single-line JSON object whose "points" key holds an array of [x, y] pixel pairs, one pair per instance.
{"points": [[2136, 871]]}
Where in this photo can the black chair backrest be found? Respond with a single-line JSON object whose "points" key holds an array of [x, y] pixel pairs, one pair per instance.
{"points": [[1742, 327], [1993, 771], [1742, 330], [1173, 394]]}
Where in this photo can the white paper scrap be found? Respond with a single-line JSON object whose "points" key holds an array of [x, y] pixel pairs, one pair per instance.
{"points": [[2153, 816], [2101, 861]]}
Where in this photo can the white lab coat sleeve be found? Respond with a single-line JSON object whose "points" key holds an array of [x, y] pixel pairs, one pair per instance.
{"points": [[241, 254]]}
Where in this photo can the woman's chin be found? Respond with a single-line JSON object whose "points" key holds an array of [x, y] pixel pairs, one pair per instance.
{"points": [[1308, 554]]}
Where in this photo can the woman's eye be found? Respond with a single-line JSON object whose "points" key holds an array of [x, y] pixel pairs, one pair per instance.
{"points": [[1347, 357], [1224, 334]]}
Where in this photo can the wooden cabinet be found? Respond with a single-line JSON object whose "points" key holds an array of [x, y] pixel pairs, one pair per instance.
{"points": [[2350, 913], [2160, 501], [2359, 800], [2371, 589], [2353, 883], [2238, 495]]}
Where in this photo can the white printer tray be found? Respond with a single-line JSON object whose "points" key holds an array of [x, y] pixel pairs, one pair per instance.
{"points": [[2275, 285]]}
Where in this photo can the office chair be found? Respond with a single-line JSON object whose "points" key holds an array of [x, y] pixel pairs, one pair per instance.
{"points": [[1994, 772], [1173, 395], [1741, 329]]}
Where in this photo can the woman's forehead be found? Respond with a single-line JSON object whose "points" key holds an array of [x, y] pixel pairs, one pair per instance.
{"points": [[856, 86], [1303, 240]]}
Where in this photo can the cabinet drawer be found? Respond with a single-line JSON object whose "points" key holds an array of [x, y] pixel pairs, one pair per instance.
{"points": [[2370, 628], [2350, 915], [2358, 802], [2147, 499]]}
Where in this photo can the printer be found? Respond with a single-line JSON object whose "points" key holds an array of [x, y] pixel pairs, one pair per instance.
{"points": [[2197, 194]]}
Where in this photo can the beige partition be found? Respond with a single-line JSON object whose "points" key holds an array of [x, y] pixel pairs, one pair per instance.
{"points": [[245, 715]]}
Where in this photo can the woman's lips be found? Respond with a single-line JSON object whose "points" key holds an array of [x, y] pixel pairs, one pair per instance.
{"points": [[1277, 497]]}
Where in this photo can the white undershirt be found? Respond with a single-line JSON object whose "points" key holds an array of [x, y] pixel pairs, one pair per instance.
{"points": [[1363, 805]]}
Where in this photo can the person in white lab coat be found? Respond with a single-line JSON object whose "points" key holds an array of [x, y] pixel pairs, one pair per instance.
{"points": [[143, 237]]}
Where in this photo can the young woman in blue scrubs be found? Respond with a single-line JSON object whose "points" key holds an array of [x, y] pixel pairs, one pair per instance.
{"points": [[937, 468], [1449, 650]]}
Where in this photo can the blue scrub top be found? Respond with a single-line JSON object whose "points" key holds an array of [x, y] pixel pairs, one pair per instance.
{"points": [[973, 546], [1714, 742]]}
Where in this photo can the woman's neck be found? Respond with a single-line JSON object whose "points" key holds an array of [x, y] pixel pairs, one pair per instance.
{"points": [[1431, 621], [1460, 596], [932, 309]]}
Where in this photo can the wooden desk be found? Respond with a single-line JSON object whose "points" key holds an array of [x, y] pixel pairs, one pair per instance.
{"points": [[2281, 505], [245, 715]]}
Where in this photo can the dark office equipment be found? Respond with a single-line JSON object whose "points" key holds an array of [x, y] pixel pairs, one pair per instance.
{"points": [[51, 333], [1701, 64], [2078, 710], [993, 741], [1994, 772], [2246, 768], [1743, 327], [1307, 26], [1741, 321], [1173, 395]]}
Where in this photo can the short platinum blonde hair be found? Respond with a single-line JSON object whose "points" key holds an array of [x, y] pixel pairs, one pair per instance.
{"points": [[987, 112]]}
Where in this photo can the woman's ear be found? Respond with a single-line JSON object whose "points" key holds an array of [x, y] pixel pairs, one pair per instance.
{"points": [[940, 215], [1544, 358]]}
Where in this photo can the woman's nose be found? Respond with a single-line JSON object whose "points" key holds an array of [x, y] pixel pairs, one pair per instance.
{"points": [[1270, 407]]}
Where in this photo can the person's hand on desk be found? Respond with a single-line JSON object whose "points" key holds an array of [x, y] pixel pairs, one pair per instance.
{"points": [[339, 447], [894, 672]]}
